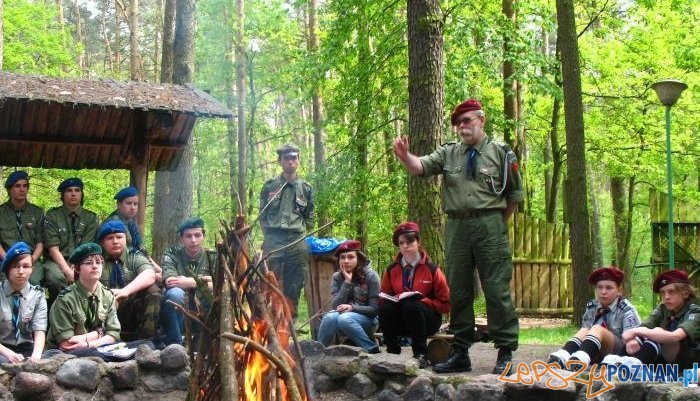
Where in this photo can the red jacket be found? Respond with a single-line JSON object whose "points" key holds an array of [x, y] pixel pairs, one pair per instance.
{"points": [[432, 285]]}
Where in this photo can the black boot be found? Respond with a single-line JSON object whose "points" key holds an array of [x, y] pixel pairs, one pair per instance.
{"points": [[504, 357], [458, 361]]}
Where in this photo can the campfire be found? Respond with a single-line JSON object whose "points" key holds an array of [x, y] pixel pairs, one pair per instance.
{"points": [[248, 350]]}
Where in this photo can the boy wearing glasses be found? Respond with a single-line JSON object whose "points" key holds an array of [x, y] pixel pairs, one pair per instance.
{"points": [[286, 212], [481, 189]]}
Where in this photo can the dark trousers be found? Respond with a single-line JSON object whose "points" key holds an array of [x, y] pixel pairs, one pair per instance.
{"points": [[408, 317], [290, 266]]}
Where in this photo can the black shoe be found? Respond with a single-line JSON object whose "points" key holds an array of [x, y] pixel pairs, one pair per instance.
{"points": [[555, 359], [504, 357], [422, 361], [373, 350], [458, 361]]}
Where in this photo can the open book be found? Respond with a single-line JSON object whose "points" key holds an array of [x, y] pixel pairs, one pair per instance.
{"points": [[117, 351], [402, 296]]}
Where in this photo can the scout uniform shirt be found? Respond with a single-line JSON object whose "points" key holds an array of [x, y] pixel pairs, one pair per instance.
{"points": [[620, 316], [21, 225], [688, 318], [462, 193], [32, 315], [287, 207], [70, 312], [131, 265], [176, 262], [67, 232]]}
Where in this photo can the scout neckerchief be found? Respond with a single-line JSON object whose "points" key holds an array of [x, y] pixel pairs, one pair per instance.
{"points": [[16, 302], [602, 312], [471, 163], [20, 230], [91, 313], [116, 279], [74, 225]]}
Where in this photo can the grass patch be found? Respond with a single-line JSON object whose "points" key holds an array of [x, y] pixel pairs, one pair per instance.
{"points": [[555, 336]]}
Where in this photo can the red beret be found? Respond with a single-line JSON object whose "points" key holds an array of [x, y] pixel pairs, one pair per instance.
{"points": [[403, 228], [465, 106], [607, 273], [349, 245], [670, 277]]}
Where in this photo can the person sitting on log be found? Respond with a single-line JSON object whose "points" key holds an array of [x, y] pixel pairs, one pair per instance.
{"points": [[23, 309], [606, 319], [672, 333], [412, 274], [354, 297], [132, 279]]}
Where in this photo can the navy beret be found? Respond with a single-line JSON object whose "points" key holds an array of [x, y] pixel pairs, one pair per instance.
{"points": [[18, 249], [110, 227], [16, 176], [127, 192], [83, 251], [70, 182], [191, 222]]}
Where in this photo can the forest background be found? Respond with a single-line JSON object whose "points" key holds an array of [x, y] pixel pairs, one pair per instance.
{"points": [[333, 76]]}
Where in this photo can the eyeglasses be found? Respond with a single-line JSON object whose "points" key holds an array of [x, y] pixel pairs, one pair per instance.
{"points": [[465, 120]]}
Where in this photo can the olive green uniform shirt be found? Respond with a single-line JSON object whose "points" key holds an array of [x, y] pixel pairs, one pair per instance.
{"points": [[69, 314], [59, 232], [287, 207], [688, 319], [132, 264], [176, 262], [461, 193], [32, 231], [33, 313]]}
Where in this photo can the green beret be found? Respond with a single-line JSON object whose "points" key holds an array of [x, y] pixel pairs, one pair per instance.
{"points": [[288, 149], [191, 222], [83, 251]]}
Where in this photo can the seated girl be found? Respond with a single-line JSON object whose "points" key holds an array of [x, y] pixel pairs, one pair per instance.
{"points": [[354, 299], [418, 316], [672, 333], [607, 317], [23, 309]]}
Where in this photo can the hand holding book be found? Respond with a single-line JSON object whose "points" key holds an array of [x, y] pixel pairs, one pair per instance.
{"points": [[404, 295]]}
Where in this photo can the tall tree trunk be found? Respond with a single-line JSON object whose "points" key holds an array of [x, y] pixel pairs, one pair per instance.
{"points": [[175, 203], [596, 234], [118, 44], [231, 124], [363, 118], [509, 82], [622, 224], [577, 204], [317, 116], [240, 107], [425, 112], [60, 17], [136, 67], [108, 59], [79, 37]]}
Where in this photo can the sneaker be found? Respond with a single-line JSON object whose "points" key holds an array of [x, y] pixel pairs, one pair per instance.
{"points": [[559, 357], [505, 356], [611, 359]]}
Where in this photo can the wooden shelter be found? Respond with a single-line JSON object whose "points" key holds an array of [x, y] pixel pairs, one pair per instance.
{"points": [[49, 122]]}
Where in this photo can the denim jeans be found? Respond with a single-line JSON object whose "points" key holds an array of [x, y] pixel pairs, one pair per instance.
{"points": [[172, 319], [355, 326]]}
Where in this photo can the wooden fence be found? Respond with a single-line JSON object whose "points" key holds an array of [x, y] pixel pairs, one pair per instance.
{"points": [[542, 278]]}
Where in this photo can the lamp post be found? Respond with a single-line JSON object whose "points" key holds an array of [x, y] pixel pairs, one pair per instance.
{"points": [[668, 91]]}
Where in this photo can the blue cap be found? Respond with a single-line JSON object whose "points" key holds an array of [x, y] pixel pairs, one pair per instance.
{"points": [[83, 251], [127, 192], [70, 182], [14, 177], [191, 222], [18, 249], [110, 227]]}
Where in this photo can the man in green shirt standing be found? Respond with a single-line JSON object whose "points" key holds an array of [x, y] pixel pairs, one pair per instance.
{"points": [[481, 189], [65, 228], [286, 212], [20, 220]]}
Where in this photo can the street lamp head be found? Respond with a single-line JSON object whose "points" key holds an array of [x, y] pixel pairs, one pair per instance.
{"points": [[669, 90]]}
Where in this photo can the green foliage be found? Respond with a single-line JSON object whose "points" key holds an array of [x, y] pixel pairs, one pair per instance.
{"points": [[33, 40]]}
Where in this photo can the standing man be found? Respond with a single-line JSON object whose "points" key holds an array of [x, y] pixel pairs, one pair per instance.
{"points": [[65, 228], [19, 219], [286, 212], [187, 268], [481, 189]]}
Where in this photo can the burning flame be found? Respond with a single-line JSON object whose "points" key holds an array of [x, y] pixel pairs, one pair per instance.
{"points": [[257, 365]]}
